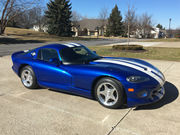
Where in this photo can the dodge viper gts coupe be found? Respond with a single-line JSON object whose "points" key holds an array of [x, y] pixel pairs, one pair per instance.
{"points": [[73, 68]]}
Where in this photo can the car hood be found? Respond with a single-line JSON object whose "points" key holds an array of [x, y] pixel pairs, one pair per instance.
{"points": [[132, 64]]}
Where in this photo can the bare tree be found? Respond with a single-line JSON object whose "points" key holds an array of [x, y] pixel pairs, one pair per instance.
{"points": [[11, 8], [145, 24], [103, 16], [25, 19], [30, 17], [130, 21], [76, 17]]}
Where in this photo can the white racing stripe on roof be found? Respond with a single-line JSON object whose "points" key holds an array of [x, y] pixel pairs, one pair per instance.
{"points": [[69, 45], [75, 44], [148, 68], [135, 67]]}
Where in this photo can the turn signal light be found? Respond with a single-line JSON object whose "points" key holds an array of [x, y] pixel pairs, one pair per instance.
{"points": [[131, 90]]}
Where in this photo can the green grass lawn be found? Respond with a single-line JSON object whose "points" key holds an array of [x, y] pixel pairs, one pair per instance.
{"points": [[157, 53]]}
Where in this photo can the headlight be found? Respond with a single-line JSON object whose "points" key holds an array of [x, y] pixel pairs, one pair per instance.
{"points": [[137, 79]]}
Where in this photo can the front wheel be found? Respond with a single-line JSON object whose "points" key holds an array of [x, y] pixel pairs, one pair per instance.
{"points": [[28, 78], [109, 93]]}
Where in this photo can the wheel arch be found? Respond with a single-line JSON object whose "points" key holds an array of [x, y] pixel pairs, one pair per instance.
{"points": [[105, 76], [20, 68]]}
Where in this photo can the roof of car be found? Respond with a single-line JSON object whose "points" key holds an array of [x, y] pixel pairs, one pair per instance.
{"points": [[61, 46]]}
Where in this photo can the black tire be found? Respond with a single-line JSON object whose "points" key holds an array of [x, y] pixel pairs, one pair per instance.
{"points": [[33, 84], [120, 92]]}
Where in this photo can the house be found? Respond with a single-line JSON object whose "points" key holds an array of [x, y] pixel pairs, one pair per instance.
{"points": [[173, 33], [90, 27], [154, 32], [41, 28], [87, 27], [158, 33]]}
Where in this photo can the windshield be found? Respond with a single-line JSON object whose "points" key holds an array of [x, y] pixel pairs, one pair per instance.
{"points": [[77, 55]]}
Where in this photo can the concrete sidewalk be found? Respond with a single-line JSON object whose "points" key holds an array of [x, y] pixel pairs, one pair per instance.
{"points": [[152, 44], [46, 112], [169, 44]]}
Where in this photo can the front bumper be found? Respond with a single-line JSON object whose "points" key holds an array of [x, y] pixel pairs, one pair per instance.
{"points": [[154, 96], [157, 94]]}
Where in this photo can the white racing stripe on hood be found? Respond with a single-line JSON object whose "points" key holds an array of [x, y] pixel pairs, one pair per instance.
{"points": [[144, 66], [133, 66], [69, 45]]}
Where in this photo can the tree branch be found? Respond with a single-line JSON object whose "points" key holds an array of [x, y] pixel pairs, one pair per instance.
{"points": [[4, 10]]}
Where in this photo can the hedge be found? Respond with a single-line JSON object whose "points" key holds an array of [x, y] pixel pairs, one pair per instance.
{"points": [[127, 47]]}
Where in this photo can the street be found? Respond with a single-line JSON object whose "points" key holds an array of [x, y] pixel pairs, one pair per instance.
{"points": [[7, 49]]}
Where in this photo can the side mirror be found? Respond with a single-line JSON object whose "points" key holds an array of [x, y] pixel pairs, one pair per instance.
{"points": [[94, 52], [54, 61], [33, 54]]}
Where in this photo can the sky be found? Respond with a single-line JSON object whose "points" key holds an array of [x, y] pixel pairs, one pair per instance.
{"points": [[160, 10]]}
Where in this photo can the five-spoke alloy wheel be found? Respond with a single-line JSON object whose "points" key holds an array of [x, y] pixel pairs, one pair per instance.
{"points": [[28, 78], [109, 92]]}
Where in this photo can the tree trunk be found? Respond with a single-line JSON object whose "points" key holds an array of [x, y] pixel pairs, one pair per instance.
{"points": [[128, 33], [2, 29]]}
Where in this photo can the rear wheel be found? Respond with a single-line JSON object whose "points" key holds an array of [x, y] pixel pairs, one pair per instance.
{"points": [[109, 93], [28, 78]]}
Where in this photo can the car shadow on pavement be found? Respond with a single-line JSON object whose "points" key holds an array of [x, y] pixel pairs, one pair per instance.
{"points": [[71, 94], [171, 94]]}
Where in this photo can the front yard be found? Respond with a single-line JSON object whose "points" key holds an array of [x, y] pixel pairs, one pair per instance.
{"points": [[157, 53], [18, 35]]}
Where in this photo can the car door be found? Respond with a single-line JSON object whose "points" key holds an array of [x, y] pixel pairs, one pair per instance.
{"points": [[50, 74]]}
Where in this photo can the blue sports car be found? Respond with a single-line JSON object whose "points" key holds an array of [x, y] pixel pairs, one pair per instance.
{"points": [[73, 68]]}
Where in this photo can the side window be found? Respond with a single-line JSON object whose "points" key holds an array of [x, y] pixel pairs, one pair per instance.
{"points": [[46, 54]]}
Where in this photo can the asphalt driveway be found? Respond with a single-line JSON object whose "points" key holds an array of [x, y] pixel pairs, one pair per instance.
{"points": [[47, 112]]}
